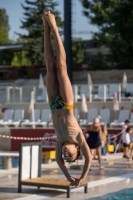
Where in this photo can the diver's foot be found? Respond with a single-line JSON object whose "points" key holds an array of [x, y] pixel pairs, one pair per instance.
{"points": [[45, 22], [130, 159], [51, 20]]}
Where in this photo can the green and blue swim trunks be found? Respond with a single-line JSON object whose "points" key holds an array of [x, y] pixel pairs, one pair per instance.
{"points": [[58, 103]]}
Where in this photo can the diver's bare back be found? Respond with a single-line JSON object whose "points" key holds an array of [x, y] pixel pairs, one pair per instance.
{"points": [[66, 125]]}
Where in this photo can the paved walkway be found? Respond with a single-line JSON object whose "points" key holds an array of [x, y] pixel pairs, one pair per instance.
{"points": [[117, 175]]}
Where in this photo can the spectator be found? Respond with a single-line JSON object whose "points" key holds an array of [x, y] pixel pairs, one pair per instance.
{"points": [[103, 137], [93, 137], [126, 125], [127, 141]]}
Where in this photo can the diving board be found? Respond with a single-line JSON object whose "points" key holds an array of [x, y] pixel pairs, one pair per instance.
{"points": [[30, 170]]}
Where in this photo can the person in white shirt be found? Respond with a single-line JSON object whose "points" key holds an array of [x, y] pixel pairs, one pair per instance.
{"points": [[127, 140], [126, 125]]}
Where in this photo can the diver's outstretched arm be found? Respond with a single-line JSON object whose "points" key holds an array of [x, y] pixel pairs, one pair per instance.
{"points": [[61, 163], [88, 159]]}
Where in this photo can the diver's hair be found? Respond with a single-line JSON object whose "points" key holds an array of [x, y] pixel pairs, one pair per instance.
{"points": [[78, 154]]}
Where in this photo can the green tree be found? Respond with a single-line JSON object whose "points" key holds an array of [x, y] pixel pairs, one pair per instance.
{"points": [[6, 55], [4, 20], [115, 21], [98, 62], [3, 36], [33, 24], [20, 59], [78, 53], [4, 27]]}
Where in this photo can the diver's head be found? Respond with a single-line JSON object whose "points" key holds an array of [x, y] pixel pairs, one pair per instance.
{"points": [[70, 151]]}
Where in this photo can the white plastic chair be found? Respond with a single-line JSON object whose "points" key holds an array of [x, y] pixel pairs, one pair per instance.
{"points": [[45, 118], [43, 96], [129, 92], [105, 116], [129, 89], [92, 113], [123, 115], [18, 117], [7, 117], [112, 89], [101, 91], [83, 89], [75, 89], [30, 122]]}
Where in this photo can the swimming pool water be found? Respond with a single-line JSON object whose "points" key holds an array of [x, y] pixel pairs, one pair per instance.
{"points": [[126, 194], [15, 162]]}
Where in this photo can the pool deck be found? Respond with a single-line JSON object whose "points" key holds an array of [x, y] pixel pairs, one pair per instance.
{"points": [[118, 174]]}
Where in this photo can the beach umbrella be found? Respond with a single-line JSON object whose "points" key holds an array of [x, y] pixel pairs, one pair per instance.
{"points": [[116, 108], [84, 108], [115, 102], [90, 85], [31, 108], [41, 83], [124, 82]]}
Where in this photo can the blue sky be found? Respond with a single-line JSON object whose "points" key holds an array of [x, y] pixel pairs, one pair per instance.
{"points": [[80, 23]]}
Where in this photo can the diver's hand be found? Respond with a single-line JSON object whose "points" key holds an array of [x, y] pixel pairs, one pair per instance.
{"points": [[77, 182], [71, 179]]}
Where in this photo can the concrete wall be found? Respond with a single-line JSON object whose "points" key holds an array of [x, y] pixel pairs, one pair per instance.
{"points": [[99, 76], [5, 143], [79, 76]]}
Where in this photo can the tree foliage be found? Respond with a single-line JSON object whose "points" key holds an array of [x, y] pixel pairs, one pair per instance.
{"points": [[4, 20], [3, 36], [78, 53], [115, 21], [4, 27], [5, 56], [20, 59], [98, 63], [32, 22]]}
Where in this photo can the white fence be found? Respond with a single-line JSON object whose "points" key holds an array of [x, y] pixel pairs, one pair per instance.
{"points": [[99, 92]]}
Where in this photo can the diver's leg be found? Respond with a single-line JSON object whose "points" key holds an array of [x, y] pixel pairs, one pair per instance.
{"points": [[65, 87], [52, 84]]}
